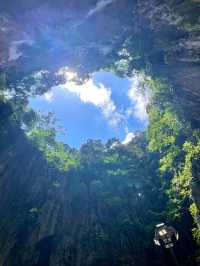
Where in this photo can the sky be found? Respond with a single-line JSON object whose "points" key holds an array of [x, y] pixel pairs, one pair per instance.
{"points": [[104, 107]]}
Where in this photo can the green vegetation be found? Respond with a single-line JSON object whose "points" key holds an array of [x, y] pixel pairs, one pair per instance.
{"points": [[179, 147], [56, 153], [122, 191], [98, 206]]}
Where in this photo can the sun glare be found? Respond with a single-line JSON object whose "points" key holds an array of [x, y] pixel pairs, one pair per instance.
{"points": [[68, 74]]}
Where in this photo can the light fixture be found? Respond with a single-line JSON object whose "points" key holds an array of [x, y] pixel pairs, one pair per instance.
{"points": [[165, 236]]}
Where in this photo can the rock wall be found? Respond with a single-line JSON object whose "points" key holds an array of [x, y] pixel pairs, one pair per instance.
{"points": [[165, 40]]}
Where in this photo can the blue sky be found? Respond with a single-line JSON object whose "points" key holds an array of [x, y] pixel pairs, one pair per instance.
{"points": [[106, 106]]}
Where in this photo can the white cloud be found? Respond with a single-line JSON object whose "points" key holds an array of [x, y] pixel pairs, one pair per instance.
{"points": [[99, 6], [128, 138], [98, 95], [48, 96], [139, 95]]}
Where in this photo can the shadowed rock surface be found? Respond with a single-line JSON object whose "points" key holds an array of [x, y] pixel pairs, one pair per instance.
{"points": [[161, 37], [48, 217]]}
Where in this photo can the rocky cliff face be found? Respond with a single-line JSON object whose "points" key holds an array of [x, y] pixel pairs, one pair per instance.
{"points": [[163, 38], [80, 217], [48, 217], [160, 37]]}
